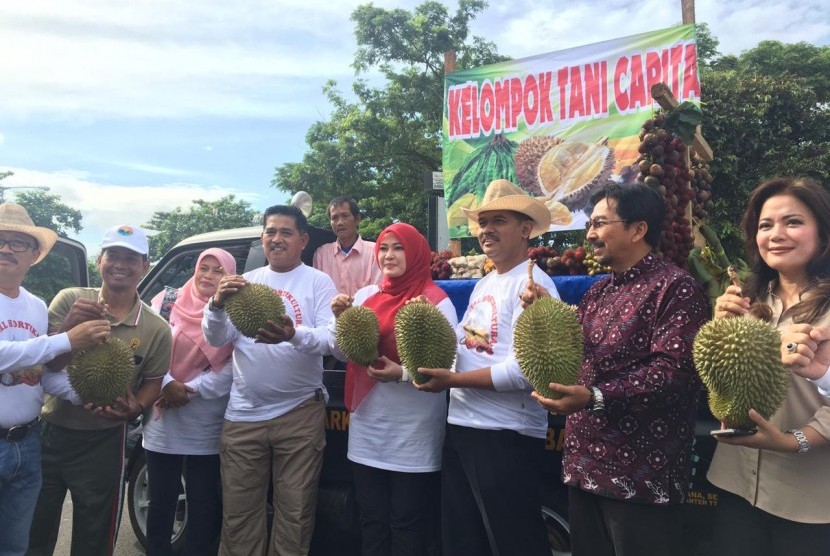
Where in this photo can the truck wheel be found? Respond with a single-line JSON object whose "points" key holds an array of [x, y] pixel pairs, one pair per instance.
{"points": [[558, 530], [138, 502]]}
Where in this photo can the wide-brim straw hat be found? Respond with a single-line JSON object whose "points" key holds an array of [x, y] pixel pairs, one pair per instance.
{"points": [[14, 218], [504, 195]]}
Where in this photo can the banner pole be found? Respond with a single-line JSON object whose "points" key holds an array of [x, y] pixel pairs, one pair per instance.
{"points": [[449, 67]]}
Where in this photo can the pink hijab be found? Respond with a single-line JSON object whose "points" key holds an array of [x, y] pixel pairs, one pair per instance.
{"points": [[191, 352]]}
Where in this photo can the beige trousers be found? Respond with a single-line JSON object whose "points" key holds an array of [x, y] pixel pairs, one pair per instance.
{"points": [[290, 447]]}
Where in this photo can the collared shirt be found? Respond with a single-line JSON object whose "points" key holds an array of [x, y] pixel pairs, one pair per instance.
{"points": [[639, 326], [142, 329], [349, 271], [485, 340], [788, 485]]}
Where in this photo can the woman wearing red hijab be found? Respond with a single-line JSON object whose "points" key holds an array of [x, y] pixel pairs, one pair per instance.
{"points": [[185, 430], [395, 431]]}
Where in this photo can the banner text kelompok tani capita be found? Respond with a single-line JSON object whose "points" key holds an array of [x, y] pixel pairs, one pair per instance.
{"points": [[558, 125]]}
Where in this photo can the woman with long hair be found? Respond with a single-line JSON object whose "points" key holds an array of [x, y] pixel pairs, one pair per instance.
{"points": [[184, 430], [776, 494], [395, 431]]}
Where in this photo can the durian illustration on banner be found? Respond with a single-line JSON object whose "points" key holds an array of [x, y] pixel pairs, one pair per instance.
{"points": [[560, 125]]}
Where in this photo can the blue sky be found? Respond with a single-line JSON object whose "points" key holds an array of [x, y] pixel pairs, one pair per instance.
{"points": [[127, 108]]}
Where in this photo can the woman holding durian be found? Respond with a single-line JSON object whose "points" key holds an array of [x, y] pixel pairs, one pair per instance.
{"points": [[776, 492]]}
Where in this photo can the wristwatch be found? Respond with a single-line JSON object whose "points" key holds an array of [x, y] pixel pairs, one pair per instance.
{"points": [[213, 307], [596, 403], [801, 438]]}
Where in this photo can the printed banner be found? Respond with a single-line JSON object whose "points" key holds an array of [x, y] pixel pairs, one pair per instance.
{"points": [[558, 125]]}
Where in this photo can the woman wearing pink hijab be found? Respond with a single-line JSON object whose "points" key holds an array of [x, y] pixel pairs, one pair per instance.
{"points": [[185, 430]]}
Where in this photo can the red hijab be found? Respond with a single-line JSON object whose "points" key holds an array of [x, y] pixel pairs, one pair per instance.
{"points": [[394, 292]]}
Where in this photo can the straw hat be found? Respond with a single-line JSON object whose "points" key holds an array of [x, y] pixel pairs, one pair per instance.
{"points": [[505, 195], [14, 218]]}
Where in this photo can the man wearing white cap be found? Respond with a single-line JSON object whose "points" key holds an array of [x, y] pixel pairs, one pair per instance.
{"points": [[496, 432], [24, 347], [83, 450]]}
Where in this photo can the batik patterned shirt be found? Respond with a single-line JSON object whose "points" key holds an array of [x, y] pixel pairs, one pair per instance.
{"points": [[639, 326]]}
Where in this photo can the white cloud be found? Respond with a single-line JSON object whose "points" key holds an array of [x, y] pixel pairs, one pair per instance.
{"points": [[105, 205], [155, 58], [525, 27]]}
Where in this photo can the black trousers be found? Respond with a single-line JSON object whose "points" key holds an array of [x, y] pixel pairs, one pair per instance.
{"points": [[490, 501], [744, 530], [608, 527], [204, 506], [395, 510]]}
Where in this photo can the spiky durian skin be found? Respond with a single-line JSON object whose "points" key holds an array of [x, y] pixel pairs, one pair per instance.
{"points": [[102, 373], [739, 362], [425, 339], [549, 345], [358, 334], [252, 306]]}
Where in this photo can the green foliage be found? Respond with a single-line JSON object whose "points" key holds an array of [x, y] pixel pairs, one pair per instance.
{"points": [[95, 280], [707, 45], [760, 127], [203, 216], [49, 211], [378, 147]]}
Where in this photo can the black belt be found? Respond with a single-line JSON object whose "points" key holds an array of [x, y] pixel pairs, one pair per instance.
{"points": [[17, 432]]}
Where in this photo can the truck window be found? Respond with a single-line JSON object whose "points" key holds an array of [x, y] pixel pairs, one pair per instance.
{"points": [[177, 268]]}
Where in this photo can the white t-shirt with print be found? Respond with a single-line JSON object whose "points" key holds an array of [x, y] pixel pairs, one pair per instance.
{"points": [[485, 339]]}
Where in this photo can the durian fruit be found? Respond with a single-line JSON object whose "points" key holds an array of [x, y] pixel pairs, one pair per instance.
{"points": [[572, 171], [358, 334], [527, 158], [102, 373], [739, 362], [549, 345], [425, 339], [252, 306]]}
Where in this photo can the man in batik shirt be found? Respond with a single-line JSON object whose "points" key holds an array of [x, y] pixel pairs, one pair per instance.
{"points": [[631, 416]]}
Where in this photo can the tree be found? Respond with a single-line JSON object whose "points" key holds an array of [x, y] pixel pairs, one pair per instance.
{"points": [[203, 216], [53, 273], [95, 279], [378, 148], [761, 126]]}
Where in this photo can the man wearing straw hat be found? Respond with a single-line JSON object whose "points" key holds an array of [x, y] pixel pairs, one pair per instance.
{"points": [[83, 451], [496, 431], [24, 347]]}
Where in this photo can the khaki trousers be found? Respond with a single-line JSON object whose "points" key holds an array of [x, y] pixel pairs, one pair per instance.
{"points": [[290, 448]]}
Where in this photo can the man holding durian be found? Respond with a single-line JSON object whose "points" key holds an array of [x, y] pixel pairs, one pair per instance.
{"points": [[631, 415]]}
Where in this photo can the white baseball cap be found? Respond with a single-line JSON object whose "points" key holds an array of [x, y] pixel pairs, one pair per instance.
{"points": [[130, 237]]}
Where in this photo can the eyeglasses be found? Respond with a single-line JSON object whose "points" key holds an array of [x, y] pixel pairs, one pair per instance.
{"points": [[16, 245], [597, 224]]}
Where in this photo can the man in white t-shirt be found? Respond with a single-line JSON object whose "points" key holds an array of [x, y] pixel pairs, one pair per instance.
{"points": [[24, 348], [496, 432], [275, 415]]}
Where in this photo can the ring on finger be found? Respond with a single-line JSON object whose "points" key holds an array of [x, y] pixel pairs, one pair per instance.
{"points": [[791, 347]]}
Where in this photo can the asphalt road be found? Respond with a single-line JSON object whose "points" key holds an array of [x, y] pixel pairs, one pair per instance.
{"points": [[127, 544]]}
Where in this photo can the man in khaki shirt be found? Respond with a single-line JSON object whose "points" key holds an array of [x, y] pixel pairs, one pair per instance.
{"points": [[83, 449]]}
